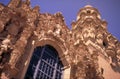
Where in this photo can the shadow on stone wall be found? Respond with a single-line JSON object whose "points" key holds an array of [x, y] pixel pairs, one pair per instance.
{"points": [[115, 64]]}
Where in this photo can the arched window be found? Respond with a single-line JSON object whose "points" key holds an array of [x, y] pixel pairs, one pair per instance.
{"points": [[45, 64]]}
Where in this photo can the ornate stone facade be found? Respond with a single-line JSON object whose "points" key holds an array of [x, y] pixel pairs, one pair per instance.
{"points": [[89, 51]]}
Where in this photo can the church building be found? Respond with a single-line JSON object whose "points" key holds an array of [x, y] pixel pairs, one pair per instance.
{"points": [[35, 45]]}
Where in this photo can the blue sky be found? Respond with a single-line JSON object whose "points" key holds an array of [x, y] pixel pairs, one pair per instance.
{"points": [[109, 9]]}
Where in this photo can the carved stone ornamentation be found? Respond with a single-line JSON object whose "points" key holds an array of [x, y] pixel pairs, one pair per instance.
{"points": [[88, 51]]}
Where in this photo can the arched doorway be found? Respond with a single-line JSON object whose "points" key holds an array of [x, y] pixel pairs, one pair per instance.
{"points": [[45, 64]]}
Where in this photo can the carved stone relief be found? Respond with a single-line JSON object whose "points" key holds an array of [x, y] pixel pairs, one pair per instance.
{"points": [[82, 46]]}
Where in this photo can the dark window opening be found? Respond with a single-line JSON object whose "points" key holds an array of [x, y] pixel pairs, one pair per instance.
{"points": [[88, 11], [104, 44], [45, 64]]}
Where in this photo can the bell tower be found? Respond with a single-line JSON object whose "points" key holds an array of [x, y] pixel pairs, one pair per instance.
{"points": [[89, 26], [91, 30]]}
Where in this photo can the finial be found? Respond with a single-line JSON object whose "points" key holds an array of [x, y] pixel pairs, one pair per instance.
{"points": [[14, 3], [88, 4]]}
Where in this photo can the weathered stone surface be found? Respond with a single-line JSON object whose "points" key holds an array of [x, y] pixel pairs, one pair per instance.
{"points": [[87, 48]]}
